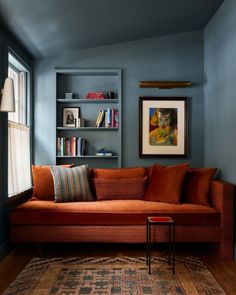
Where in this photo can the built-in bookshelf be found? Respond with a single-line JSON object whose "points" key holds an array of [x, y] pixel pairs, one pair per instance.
{"points": [[80, 144]]}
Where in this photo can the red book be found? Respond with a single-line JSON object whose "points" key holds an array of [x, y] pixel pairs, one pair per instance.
{"points": [[95, 95], [67, 147], [73, 146], [116, 118], [113, 118]]}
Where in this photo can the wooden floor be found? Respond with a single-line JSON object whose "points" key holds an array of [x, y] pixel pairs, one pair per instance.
{"points": [[19, 257]]}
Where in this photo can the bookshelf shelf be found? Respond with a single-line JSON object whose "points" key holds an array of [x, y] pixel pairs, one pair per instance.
{"points": [[90, 157], [68, 139], [101, 101], [89, 128]]}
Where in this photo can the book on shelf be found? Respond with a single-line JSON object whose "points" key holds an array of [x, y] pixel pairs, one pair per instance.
{"points": [[116, 118], [98, 118], [104, 152], [81, 146], [68, 147], [107, 154], [95, 95], [59, 146], [101, 119], [108, 118], [71, 146]]}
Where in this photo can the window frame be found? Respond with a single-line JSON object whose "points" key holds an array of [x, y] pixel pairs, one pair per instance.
{"points": [[28, 102]]}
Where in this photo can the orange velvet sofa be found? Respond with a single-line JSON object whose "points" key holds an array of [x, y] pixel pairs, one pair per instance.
{"points": [[124, 221]]}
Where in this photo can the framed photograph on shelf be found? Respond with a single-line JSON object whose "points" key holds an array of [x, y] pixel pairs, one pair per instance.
{"points": [[163, 126], [70, 117]]}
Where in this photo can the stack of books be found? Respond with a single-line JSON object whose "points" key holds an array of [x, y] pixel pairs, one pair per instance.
{"points": [[108, 118], [71, 146], [104, 152], [95, 95]]}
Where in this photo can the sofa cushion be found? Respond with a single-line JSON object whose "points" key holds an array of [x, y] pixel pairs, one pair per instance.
{"points": [[166, 183], [119, 173], [71, 184], [43, 182], [196, 185], [120, 189], [110, 212]]}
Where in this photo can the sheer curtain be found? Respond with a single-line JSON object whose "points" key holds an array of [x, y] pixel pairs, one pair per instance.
{"points": [[19, 175]]}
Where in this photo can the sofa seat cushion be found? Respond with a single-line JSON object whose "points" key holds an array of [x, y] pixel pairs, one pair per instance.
{"points": [[110, 212]]}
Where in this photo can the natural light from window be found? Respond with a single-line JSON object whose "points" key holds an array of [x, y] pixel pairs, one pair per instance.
{"points": [[19, 174]]}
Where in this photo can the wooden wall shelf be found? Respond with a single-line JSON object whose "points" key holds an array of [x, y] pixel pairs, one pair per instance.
{"points": [[164, 84]]}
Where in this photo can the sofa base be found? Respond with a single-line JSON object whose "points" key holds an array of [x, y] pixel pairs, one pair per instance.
{"points": [[121, 234]]}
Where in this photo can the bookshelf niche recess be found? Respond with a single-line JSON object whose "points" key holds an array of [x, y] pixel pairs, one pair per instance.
{"points": [[89, 117]]}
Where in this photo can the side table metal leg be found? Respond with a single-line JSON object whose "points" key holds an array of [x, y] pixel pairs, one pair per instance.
{"points": [[147, 243], [173, 242], [169, 244], [149, 249]]}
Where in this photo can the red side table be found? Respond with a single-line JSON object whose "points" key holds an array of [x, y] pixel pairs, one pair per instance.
{"points": [[166, 221]]}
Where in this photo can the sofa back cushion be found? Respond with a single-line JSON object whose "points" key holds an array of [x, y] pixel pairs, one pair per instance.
{"points": [[120, 189], [118, 173], [43, 182], [196, 185], [71, 184], [166, 183]]}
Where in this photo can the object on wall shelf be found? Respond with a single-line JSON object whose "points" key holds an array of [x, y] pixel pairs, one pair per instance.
{"points": [[164, 84], [8, 97]]}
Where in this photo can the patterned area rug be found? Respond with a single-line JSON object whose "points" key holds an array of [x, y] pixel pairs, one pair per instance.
{"points": [[120, 275]]}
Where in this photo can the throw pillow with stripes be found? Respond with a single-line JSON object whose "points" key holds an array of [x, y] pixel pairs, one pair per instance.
{"points": [[71, 184]]}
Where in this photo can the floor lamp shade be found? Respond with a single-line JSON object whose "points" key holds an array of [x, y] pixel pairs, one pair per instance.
{"points": [[8, 97]]}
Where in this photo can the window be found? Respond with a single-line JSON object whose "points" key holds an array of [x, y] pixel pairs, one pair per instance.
{"points": [[19, 173]]}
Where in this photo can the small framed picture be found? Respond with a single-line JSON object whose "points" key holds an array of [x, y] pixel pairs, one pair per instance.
{"points": [[70, 117], [163, 126]]}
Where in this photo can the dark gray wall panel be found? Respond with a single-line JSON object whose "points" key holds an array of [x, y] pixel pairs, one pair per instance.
{"points": [[220, 89], [6, 40]]}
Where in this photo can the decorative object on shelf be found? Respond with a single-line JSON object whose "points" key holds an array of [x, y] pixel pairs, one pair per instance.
{"points": [[104, 152], [164, 84], [69, 95], [82, 122], [71, 117], [95, 95], [8, 96], [163, 126], [110, 94]]}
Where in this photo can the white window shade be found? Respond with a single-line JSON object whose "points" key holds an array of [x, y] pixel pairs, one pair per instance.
{"points": [[19, 80], [19, 176]]}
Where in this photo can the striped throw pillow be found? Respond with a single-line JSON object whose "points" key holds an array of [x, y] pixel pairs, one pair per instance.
{"points": [[71, 184]]}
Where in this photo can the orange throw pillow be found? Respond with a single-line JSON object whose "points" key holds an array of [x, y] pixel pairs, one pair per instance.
{"points": [[43, 182], [119, 173], [196, 185], [166, 183], [120, 189]]}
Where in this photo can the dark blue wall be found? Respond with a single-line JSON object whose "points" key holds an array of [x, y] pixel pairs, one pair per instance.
{"points": [[6, 41], [220, 91], [172, 57]]}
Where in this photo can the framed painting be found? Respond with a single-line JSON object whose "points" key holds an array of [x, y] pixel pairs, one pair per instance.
{"points": [[70, 117], [163, 126]]}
